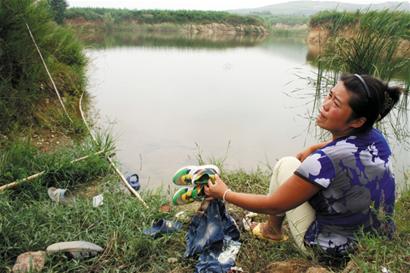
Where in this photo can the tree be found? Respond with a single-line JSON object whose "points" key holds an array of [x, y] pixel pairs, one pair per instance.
{"points": [[58, 8]]}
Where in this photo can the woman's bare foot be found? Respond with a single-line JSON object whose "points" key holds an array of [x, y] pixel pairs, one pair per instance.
{"points": [[267, 231]]}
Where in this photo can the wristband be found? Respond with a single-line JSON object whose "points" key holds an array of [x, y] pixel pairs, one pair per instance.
{"points": [[224, 195]]}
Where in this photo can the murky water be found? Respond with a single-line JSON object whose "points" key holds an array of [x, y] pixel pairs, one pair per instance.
{"points": [[166, 104]]}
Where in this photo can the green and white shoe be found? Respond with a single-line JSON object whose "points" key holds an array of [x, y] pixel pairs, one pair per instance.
{"points": [[193, 175], [186, 195]]}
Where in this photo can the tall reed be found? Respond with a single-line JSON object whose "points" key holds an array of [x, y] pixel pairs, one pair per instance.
{"points": [[370, 47]]}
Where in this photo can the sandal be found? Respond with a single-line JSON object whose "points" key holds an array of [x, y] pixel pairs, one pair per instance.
{"points": [[257, 232], [134, 181], [163, 226], [58, 195]]}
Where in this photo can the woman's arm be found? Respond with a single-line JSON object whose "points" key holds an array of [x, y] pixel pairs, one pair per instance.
{"points": [[289, 195], [305, 153]]}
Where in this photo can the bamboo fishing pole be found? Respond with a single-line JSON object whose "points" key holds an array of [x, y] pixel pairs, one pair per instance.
{"points": [[48, 72], [123, 179]]}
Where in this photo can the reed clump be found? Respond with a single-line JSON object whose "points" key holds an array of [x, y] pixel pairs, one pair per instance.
{"points": [[367, 43]]}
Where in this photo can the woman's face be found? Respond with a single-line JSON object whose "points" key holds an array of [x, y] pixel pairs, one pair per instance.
{"points": [[335, 111]]}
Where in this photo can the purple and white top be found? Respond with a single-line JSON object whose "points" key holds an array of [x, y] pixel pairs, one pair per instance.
{"points": [[358, 186]]}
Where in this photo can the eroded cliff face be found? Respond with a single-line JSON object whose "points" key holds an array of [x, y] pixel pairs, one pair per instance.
{"points": [[318, 37], [215, 28], [209, 28]]}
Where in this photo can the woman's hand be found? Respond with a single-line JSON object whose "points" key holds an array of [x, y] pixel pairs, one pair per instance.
{"points": [[216, 189], [303, 154]]}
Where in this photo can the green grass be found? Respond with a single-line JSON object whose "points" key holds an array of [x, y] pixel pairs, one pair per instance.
{"points": [[117, 226], [20, 159], [375, 253], [30, 221]]}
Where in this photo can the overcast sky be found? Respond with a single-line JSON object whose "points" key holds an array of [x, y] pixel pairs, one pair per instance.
{"points": [[191, 4]]}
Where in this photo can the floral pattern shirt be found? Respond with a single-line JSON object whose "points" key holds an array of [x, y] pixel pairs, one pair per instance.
{"points": [[358, 190]]}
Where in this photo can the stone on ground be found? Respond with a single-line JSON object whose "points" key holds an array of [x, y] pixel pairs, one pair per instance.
{"points": [[294, 266], [30, 262]]}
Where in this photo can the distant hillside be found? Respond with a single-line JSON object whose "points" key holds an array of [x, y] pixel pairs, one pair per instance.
{"points": [[307, 8]]}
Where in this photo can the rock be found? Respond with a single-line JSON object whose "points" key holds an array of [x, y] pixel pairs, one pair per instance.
{"points": [[76, 249], [290, 266], [317, 269], [30, 262], [351, 267], [166, 208]]}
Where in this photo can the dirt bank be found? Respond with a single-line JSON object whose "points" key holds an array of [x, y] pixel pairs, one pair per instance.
{"points": [[206, 28]]}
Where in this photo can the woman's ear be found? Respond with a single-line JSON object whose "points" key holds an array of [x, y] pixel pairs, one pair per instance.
{"points": [[358, 122]]}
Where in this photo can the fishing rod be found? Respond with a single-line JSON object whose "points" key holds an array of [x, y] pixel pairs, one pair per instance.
{"points": [[123, 179]]}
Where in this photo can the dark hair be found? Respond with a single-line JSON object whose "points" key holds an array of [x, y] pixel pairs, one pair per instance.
{"points": [[371, 98]]}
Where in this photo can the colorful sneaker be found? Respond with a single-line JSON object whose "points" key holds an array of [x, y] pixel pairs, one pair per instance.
{"points": [[182, 177], [185, 175], [201, 175], [188, 195]]}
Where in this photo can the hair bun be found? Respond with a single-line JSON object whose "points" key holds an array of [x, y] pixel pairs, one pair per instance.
{"points": [[391, 97]]}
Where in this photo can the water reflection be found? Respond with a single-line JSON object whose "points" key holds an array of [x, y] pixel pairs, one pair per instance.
{"points": [[170, 39]]}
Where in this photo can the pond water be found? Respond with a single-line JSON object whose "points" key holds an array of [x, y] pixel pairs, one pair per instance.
{"points": [[244, 103]]}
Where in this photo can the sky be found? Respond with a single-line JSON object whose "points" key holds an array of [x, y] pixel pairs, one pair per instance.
{"points": [[192, 4]]}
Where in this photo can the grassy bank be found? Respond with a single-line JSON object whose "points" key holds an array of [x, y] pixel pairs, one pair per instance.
{"points": [[30, 221], [339, 20]]}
